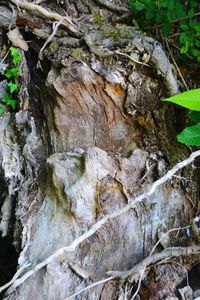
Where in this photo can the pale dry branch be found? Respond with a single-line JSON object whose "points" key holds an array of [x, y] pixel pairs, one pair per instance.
{"points": [[132, 203], [55, 28], [152, 259], [31, 7], [166, 234], [139, 283], [138, 271], [131, 58], [142, 272]]}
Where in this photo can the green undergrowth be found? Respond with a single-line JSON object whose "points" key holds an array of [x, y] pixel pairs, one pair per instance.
{"points": [[10, 96], [178, 20]]}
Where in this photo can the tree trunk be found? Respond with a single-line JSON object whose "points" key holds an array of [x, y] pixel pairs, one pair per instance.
{"points": [[90, 135]]}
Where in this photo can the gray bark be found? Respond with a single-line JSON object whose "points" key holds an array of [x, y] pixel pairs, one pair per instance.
{"points": [[90, 124]]}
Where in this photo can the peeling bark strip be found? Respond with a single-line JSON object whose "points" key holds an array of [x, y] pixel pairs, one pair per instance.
{"points": [[100, 223]]}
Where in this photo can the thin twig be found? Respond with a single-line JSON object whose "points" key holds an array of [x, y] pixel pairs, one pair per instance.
{"points": [[55, 28], [131, 58], [166, 234], [89, 287], [132, 203], [174, 62], [139, 283], [152, 259], [139, 269]]}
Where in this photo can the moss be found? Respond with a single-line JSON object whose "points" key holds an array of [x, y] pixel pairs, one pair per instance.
{"points": [[77, 53], [98, 19], [54, 46]]}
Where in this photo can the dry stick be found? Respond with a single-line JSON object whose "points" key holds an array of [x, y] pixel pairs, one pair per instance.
{"points": [[45, 13], [139, 283], [131, 58], [174, 62], [55, 28], [141, 267], [164, 235], [150, 260], [151, 253], [104, 220]]}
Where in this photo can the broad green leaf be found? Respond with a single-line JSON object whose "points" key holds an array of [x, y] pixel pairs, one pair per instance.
{"points": [[190, 135], [189, 99], [194, 116]]}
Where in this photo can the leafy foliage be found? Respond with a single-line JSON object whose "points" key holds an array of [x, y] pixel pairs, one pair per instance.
{"points": [[168, 14], [190, 99], [12, 74]]}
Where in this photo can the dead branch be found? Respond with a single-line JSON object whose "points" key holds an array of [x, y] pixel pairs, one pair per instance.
{"points": [[55, 28], [131, 58], [138, 271], [31, 7], [152, 259], [132, 203]]}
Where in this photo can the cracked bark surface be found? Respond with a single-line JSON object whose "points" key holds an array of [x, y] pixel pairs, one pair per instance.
{"points": [[90, 123]]}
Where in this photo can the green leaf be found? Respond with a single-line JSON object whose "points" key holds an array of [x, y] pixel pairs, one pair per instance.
{"points": [[166, 29], [189, 99], [194, 116], [13, 87], [184, 26], [14, 72], [16, 57], [6, 97], [137, 5], [14, 51], [190, 135], [180, 10], [12, 103], [2, 110], [8, 100], [191, 13]]}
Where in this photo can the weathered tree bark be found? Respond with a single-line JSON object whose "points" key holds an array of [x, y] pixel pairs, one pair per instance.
{"points": [[91, 134]]}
